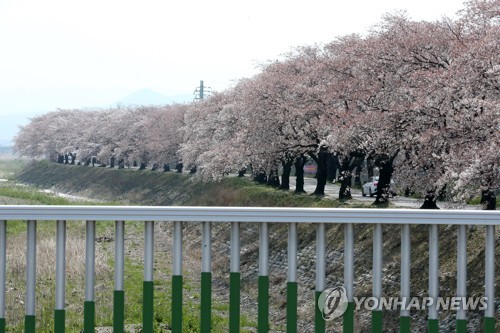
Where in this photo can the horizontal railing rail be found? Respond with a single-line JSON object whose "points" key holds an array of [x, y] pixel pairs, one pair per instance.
{"points": [[251, 214], [263, 216]]}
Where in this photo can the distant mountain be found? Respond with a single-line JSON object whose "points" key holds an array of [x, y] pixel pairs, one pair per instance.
{"points": [[150, 97]]}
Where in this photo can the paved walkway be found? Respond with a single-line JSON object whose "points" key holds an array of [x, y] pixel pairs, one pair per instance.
{"points": [[332, 191]]}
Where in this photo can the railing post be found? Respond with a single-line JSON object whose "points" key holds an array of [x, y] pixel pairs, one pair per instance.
{"points": [[206, 278], [29, 319], [404, 320], [148, 284], [489, 283], [234, 280], [291, 289], [119, 293], [89, 304], [319, 325], [433, 321], [59, 312], [177, 279], [462, 277], [348, 317], [3, 259], [377, 277], [263, 282]]}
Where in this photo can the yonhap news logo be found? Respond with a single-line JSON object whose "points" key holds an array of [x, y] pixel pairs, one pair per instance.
{"points": [[333, 303]]}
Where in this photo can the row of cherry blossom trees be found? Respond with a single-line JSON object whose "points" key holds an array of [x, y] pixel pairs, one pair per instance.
{"points": [[141, 134], [418, 99]]}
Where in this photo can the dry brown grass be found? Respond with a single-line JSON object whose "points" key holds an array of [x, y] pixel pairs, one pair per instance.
{"points": [[45, 287]]}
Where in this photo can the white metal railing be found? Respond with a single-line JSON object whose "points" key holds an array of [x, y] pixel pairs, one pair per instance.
{"points": [[263, 216]]}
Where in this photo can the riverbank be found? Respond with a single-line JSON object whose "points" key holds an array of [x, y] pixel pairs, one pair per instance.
{"points": [[133, 187]]}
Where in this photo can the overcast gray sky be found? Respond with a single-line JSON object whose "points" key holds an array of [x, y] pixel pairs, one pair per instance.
{"points": [[66, 54]]}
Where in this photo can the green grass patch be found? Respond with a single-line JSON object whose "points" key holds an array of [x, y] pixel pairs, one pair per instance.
{"points": [[477, 201], [10, 167], [33, 196], [244, 192]]}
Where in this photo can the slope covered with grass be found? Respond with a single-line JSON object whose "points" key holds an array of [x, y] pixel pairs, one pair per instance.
{"points": [[145, 187]]}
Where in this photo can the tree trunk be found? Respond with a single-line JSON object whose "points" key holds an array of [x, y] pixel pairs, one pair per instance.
{"points": [[260, 177], [489, 199], [274, 178], [299, 174], [356, 166], [142, 166], [321, 175], [285, 176], [345, 180], [386, 168], [430, 200], [369, 166], [330, 168]]}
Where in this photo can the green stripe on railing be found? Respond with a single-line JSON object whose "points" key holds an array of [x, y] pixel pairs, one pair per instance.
{"points": [[29, 324], [59, 321], [489, 325], [88, 317], [291, 307], [319, 322], [147, 306], [377, 321], [176, 303], [2, 325], [404, 324], [461, 326], [433, 326], [118, 311], [234, 302], [206, 302], [263, 308], [348, 319]]}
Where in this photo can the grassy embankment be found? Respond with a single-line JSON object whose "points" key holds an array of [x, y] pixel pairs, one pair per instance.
{"points": [[155, 188]]}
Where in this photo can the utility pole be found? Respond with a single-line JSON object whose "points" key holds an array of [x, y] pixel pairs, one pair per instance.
{"points": [[199, 92]]}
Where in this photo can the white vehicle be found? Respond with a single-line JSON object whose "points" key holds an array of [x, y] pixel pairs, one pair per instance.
{"points": [[370, 187]]}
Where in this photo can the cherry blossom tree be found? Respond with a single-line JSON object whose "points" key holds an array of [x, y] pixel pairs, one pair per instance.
{"points": [[49, 135], [163, 134]]}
